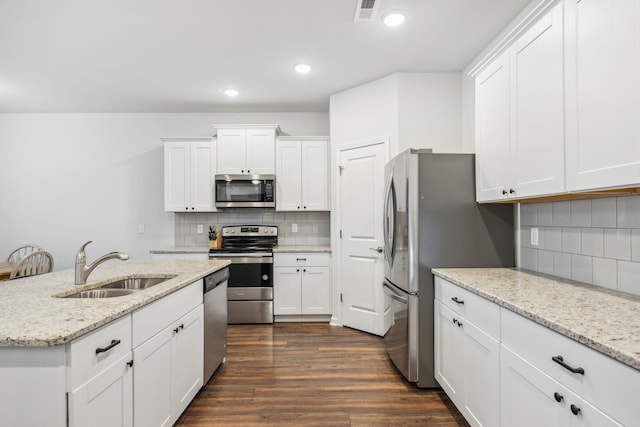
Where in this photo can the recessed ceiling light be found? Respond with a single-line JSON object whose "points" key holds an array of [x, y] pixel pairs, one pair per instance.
{"points": [[302, 68], [230, 92], [394, 18]]}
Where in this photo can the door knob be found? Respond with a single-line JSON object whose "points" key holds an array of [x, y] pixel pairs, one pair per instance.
{"points": [[378, 249]]}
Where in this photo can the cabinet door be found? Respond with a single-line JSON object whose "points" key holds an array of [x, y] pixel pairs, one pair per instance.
{"points": [[493, 173], [481, 376], [316, 290], [288, 172], [603, 93], [449, 353], [176, 177], [231, 156], [287, 291], [260, 154], [537, 108], [315, 176], [202, 177], [105, 400], [152, 380], [188, 363]]}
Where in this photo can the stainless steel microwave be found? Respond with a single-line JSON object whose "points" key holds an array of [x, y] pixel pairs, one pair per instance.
{"points": [[245, 191]]}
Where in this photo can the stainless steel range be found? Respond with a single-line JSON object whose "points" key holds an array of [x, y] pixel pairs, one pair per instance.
{"points": [[250, 288]]}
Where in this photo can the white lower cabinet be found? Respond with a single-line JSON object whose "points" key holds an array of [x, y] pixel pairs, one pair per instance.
{"points": [[502, 369], [467, 366], [105, 400], [301, 284], [168, 365], [530, 398]]}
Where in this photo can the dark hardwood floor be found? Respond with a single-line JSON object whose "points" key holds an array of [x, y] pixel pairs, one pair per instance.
{"points": [[312, 374]]}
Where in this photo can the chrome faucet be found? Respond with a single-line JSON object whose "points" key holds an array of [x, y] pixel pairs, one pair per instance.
{"points": [[83, 270]]}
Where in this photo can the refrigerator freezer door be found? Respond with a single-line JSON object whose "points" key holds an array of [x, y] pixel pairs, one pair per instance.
{"points": [[400, 340]]}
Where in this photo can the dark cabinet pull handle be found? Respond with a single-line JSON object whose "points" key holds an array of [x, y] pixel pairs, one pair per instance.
{"points": [[297, 270], [248, 171], [298, 207], [304, 270], [305, 207], [176, 330], [456, 300], [107, 348], [560, 361], [574, 409], [301, 259], [504, 192], [130, 363], [511, 191], [186, 208], [181, 326], [558, 397], [457, 322]]}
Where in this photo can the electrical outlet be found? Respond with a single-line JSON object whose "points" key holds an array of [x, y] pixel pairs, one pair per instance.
{"points": [[294, 228], [534, 236], [200, 228], [140, 228]]}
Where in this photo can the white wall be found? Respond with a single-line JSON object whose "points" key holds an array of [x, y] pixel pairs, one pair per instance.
{"points": [[430, 111], [69, 178]]}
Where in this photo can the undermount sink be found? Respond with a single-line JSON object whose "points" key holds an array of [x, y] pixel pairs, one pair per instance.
{"points": [[135, 283], [102, 293], [122, 287]]}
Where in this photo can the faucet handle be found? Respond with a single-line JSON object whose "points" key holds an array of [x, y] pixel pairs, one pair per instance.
{"points": [[80, 255]]}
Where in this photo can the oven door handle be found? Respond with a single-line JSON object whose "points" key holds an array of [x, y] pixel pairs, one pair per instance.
{"points": [[244, 259]]}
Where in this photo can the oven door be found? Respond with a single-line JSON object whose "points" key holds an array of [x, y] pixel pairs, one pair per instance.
{"points": [[245, 191]]}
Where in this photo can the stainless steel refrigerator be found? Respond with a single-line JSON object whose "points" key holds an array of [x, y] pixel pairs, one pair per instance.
{"points": [[431, 220]]}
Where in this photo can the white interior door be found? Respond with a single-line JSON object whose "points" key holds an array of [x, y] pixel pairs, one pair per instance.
{"points": [[361, 270]]}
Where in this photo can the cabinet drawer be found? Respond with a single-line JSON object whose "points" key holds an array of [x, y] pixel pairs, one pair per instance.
{"points": [[301, 259], [606, 383], [86, 357], [149, 320], [483, 313]]}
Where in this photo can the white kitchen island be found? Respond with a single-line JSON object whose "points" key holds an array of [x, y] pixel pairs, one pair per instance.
{"points": [[70, 361]]}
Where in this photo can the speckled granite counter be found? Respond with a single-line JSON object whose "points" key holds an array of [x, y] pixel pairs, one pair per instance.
{"points": [[31, 315], [604, 320], [277, 249]]}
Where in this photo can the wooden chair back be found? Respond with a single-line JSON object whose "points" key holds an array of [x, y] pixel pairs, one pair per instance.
{"points": [[18, 253], [38, 262]]}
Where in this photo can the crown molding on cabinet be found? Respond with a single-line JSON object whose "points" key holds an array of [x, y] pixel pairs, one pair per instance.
{"points": [[507, 37]]}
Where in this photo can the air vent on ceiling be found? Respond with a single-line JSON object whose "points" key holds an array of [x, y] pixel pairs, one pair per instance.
{"points": [[366, 10]]}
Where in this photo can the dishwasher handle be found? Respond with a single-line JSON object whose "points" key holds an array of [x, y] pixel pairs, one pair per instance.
{"points": [[213, 280]]}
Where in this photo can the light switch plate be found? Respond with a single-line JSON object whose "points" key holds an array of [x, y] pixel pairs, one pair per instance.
{"points": [[140, 228], [200, 228], [294, 228], [534, 236]]}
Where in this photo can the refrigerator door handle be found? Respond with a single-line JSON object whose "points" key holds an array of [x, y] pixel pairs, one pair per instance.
{"points": [[389, 226]]}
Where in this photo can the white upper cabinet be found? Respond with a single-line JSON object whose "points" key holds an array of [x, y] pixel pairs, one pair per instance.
{"points": [[603, 93], [519, 116], [246, 149], [189, 171], [302, 174]]}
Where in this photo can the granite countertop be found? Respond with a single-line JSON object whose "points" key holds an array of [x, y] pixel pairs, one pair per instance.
{"points": [[31, 315], [276, 249], [605, 320]]}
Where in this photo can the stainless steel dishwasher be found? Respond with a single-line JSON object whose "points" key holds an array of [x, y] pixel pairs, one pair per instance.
{"points": [[215, 321]]}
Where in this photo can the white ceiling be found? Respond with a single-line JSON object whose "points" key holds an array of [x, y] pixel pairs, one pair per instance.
{"points": [[177, 55]]}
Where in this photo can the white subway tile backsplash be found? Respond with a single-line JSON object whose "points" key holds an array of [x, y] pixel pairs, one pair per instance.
{"points": [[553, 238], [545, 214], [617, 243], [629, 212], [571, 240], [529, 259], [581, 213], [603, 212], [561, 214], [545, 262], [605, 272], [635, 245], [592, 241], [628, 274], [529, 214], [562, 265], [581, 268]]}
